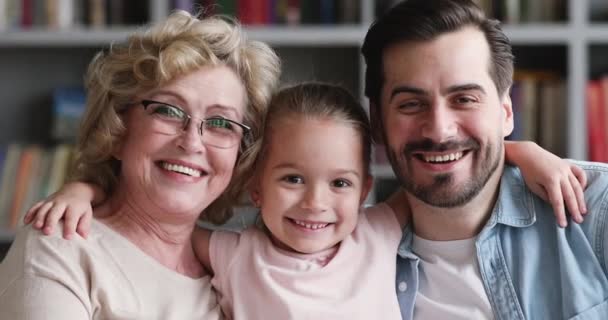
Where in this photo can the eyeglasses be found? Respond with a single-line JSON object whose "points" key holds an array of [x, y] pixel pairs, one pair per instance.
{"points": [[215, 131]]}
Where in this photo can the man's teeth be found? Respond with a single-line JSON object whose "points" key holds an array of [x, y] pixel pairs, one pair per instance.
{"points": [[443, 158], [313, 226], [181, 169]]}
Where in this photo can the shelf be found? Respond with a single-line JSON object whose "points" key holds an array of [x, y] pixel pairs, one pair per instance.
{"points": [[63, 38], [539, 33], [309, 36], [6, 235], [598, 33]]}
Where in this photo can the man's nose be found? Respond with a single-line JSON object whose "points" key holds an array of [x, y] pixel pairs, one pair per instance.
{"points": [[439, 123]]}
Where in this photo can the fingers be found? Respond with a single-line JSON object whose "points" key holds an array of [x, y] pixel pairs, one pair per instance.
{"points": [[53, 217], [579, 193], [41, 215], [556, 200], [84, 225], [580, 175], [69, 223], [570, 199], [30, 213]]}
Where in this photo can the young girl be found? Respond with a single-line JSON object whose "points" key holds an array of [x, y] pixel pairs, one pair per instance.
{"points": [[314, 254]]}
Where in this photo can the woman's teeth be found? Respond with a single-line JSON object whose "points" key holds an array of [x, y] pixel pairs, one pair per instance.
{"points": [[181, 169], [444, 158]]}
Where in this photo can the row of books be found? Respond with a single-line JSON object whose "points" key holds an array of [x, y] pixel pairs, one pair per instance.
{"points": [[597, 119], [29, 173], [66, 14], [270, 12], [525, 11], [539, 104]]}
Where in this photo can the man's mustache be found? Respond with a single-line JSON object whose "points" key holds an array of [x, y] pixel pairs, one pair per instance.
{"points": [[428, 145]]}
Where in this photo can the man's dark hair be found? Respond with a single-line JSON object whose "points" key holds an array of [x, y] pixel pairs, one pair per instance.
{"points": [[424, 20]]}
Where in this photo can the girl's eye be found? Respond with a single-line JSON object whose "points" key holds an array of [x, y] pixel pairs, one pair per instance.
{"points": [[341, 183], [293, 179]]}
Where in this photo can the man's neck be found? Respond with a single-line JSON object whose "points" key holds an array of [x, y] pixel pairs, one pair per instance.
{"points": [[464, 222]]}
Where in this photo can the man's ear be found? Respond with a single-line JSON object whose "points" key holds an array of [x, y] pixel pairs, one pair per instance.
{"points": [[507, 109], [375, 119], [367, 186]]}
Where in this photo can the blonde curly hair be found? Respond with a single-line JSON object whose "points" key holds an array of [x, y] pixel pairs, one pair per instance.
{"points": [[150, 59]]}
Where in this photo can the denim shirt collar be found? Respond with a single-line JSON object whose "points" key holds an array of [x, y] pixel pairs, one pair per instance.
{"points": [[514, 208]]}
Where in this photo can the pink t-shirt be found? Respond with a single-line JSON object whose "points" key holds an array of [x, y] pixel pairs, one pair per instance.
{"points": [[256, 280]]}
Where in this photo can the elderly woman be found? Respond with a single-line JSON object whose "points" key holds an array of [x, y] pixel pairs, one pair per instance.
{"points": [[169, 116]]}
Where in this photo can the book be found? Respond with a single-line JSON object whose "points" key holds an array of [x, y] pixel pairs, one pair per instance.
{"points": [[96, 13], [348, 11], [551, 120], [22, 183], [7, 184], [68, 108], [227, 7], [60, 165], [252, 12], [38, 179], [596, 107]]}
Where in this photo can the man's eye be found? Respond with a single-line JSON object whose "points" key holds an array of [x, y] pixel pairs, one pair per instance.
{"points": [[464, 100], [293, 179], [410, 106], [341, 183]]}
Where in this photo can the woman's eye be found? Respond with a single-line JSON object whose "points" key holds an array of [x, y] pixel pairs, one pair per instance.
{"points": [[167, 111], [341, 183], [294, 179], [218, 123]]}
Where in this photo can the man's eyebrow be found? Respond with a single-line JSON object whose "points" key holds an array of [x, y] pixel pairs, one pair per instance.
{"points": [[406, 89], [465, 87]]}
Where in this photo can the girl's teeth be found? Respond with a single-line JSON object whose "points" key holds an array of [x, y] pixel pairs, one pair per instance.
{"points": [[444, 158], [181, 169], [313, 226]]}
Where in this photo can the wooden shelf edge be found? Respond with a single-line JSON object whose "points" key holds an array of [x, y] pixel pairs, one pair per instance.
{"points": [[6, 235], [309, 36]]}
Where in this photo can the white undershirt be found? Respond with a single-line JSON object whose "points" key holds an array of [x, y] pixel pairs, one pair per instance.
{"points": [[450, 282]]}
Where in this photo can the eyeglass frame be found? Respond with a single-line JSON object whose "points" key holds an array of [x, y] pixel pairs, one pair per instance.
{"points": [[246, 129]]}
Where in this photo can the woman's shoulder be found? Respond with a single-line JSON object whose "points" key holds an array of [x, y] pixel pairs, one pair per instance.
{"points": [[31, 248]]}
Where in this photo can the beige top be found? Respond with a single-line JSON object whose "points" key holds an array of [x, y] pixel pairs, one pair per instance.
{"points": [[103, 277], [257, 280]]}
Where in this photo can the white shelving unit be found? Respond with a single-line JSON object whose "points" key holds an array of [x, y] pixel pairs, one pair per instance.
{"points": [[321, 52]]}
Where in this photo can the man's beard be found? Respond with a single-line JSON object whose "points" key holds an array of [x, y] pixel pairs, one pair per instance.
{"points": [[442, 192]]}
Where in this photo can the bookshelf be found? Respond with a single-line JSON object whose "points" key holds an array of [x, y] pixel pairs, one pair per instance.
{"points": [[36, 60]]}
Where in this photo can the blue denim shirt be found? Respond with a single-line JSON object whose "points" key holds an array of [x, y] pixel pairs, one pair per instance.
{"points": [[530, 267]]}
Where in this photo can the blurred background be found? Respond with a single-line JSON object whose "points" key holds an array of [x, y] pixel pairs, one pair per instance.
{"points": [[559, 95]]}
